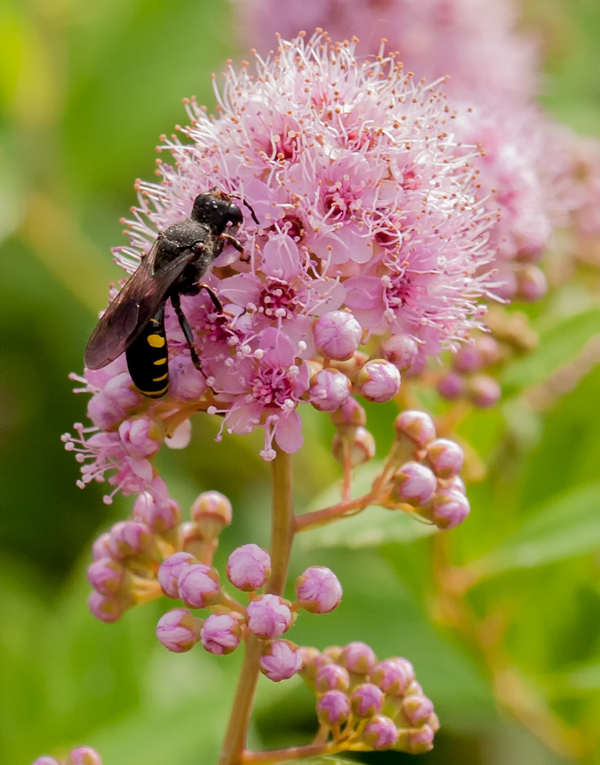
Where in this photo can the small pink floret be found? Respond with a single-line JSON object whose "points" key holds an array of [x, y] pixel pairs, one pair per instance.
{"points": [[221, 633], [380, 732], [366, 700], [106, 576], [358, 658], [414, 483], [337, 335], [171, 569], [450, 509], [379, 381], [332, 677], [329, 389], [418, 426], [333, 708], [393, 676], [83, 755], [198, 586], [176, 630], [446, 457]]}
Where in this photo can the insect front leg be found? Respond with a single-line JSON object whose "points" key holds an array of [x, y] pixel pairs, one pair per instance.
{"points": [[186, 329], [238, 246]]}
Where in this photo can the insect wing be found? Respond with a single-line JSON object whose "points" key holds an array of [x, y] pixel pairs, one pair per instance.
{"points": [[128, 314]]}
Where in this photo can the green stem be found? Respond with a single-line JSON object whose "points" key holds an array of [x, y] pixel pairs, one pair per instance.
{"points": [[282, 538], [282, 755]]}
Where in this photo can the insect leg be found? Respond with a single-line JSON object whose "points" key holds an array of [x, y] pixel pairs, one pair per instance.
{"points": [[186, 329], [213, 296], [238, 246]]}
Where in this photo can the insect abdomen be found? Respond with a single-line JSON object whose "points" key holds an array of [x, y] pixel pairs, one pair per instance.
{"points": [[148, 358]]}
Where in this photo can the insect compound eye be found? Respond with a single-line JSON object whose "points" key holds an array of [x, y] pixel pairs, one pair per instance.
{"points": [[234, 215]]}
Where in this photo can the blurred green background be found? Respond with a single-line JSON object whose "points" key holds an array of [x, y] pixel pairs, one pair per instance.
{"points": [[513, 666]]}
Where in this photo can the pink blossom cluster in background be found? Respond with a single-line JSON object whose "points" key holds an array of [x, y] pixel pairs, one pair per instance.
{"points": [[370, 239], [536, 174], [81, 755]]}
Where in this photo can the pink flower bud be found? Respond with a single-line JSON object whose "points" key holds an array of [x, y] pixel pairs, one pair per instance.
{"points": [[379, 381], [531, 283], [46, 760], [483, 391], [83, 755], [350, 413], [212, 512], [185, 381], [280, 660], [319, 590], [198, 586], [393, 676], [446, 457], [120, 395], [106, 576], [489, 349], [333, 708], [380, 733], [362, 447], [249, 567], [456, 483], [337, 335], [192, 539], [269, 616], [177, 630], [312, 661], [468, 359], [329, 389], [416, 740], [107, 608], [418, 426], [417, 709], [452, 386], [414, 483], [102, 414], [129, 538], [333, 653], [170, 571], [158, 516], [450, 508], [221, 633], [358, 658], [101, 548], [139, 437], [331, 677], [366, 700], [401, 350]]}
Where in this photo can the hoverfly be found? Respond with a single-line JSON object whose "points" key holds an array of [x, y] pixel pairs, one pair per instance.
{"points": [[134, 322]]}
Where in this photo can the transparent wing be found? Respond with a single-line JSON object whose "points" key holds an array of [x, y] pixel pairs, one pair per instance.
{"points": [[134, 306]]}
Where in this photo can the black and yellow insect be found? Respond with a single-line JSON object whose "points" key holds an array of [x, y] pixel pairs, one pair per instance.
{"points": [[134, 322]]}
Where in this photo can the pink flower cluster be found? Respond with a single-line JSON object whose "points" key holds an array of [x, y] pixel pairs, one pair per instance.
{"points": [[534, 173], [370, 231], [466, 378], [381, 704], [81, 755]]}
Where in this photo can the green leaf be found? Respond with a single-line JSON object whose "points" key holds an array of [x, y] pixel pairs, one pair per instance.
{"points": [[564, 527], [372, 527]]}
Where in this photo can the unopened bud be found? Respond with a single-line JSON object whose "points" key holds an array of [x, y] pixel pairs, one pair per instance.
{"points": [[269, 616], [468, 359], [101, 548], [350, 413], [358, 658], [531, 283], [418, 426], [417, 709], [401, 350], [483, 391], [393, 676], [106, 576], [416, 740], [221, 633], [337, 335], [177, 630], [333, 652], [198, 586], [413, 483], [333, 708], [452, 386], [212, 512], [318, 590], [249, 567], [380, 733], [331, 677], [107, 608], [449, 509], [329, 388], [312, 661], [83, 755], [171, 569], [489, 349], [446, 457], [159, 517], [280, 660], [366, 700], [46, 760], [362, 447], [378, 381], [129, 538]]}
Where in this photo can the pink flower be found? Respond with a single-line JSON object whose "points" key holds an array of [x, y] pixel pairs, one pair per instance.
{"points": [[221, 633], [171, 569], [249, 567], [177, 630], [280, 660], [269, 616], [83, 755], [318, 590]]}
